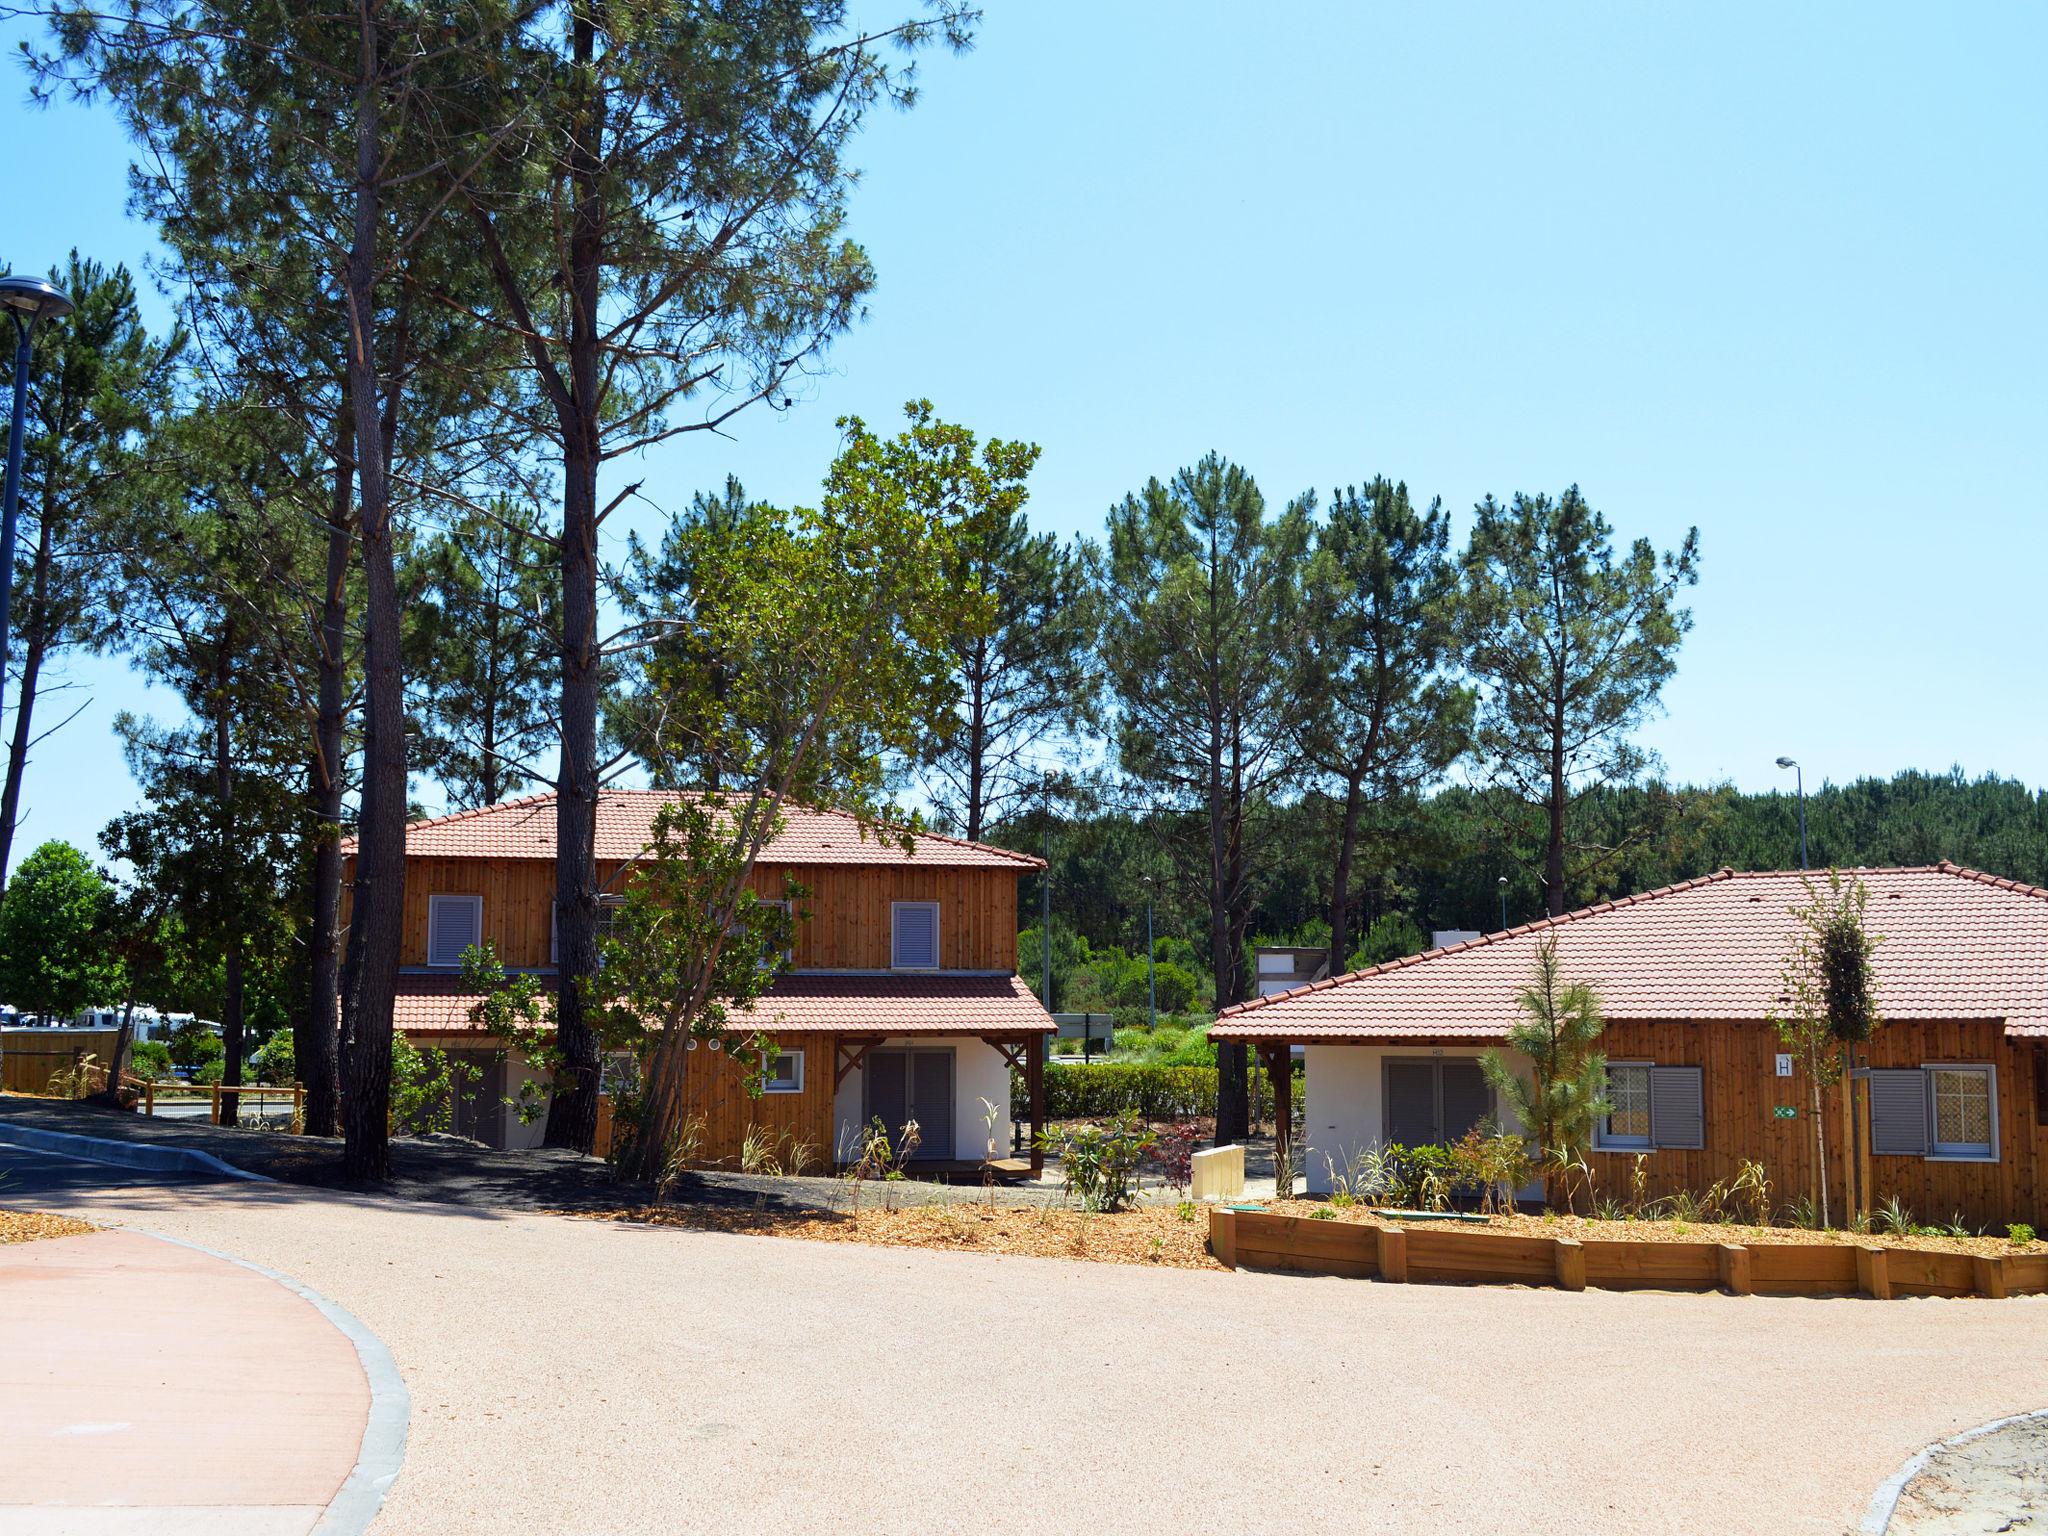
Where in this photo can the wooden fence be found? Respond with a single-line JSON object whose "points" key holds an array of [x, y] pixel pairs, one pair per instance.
{"points": [[29, 1058], [1263, 1240]]}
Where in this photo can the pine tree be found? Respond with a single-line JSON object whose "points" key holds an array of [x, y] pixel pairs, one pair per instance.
{"points": [[1571, 648], [1559, 1030], [1202, 638]]}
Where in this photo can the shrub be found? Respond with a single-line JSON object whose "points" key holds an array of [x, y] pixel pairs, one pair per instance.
{"points": [[423, 1086], [1175, 1152], [1175, 987], [2019, 1234], [1099, 1163], [195, 1046], [275, 1061], [150, 1060]]}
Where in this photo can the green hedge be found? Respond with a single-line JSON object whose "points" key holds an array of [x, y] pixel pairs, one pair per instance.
{"points": [[1074, 1091]]}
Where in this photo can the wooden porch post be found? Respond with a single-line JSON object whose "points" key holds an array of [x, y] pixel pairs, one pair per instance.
{"points": [[1280, 1070], [1034, 1087]]}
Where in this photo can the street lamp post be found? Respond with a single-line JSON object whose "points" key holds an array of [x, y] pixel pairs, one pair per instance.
{"points": [[1151, 987], [26, 300], [1503, 883], [1798, 778]]}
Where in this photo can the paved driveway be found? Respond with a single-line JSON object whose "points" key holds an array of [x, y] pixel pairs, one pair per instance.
{"points": [[575, 1376]]}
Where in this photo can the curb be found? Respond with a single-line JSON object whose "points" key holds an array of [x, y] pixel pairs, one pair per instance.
{"points": [[382, 1453], [1885, 1502], [123, 1154]]}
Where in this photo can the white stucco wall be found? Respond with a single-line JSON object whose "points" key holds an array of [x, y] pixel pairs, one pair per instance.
{"points": [[1344, 1100], [979, 1071]]}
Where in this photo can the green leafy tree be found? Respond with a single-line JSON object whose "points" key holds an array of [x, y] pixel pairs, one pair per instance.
{"points": [[1571, 647], [1202, 636], [101, 382], [1560, 1103], [1388, 716], [852, 604], [1828, 1003], [54, 957]]}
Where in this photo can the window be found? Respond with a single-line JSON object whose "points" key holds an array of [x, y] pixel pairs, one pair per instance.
{"points": [[1942, 1110], [454, 923], [914, 942], [1628, 1090], [1653, 1107], [737, 930], [785, 1074], [1962, 1111]]}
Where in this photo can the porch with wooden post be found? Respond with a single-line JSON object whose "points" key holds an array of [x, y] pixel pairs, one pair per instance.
{"points": [[1277, 1057]]}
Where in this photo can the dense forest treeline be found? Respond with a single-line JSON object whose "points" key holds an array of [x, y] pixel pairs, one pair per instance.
{"points": [[1437, 861]]}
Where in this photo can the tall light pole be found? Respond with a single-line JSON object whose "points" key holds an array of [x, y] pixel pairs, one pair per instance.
{"points": [[1045, 893], [1151, 986], [1799, 778], [26, 300], [1503, 883]]}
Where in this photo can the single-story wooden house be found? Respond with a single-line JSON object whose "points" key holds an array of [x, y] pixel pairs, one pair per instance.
{"points": [[1952, 1100], [900, 1001]]}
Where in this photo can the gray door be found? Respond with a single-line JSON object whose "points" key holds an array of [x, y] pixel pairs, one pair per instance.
{"points": [[1411, 1103], [931, 1101], [1434, 1101], [1465, 1097], [903, 1085], [886, 1079]]}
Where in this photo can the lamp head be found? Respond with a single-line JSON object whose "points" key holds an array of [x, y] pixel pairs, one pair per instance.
{"points": [[35, 298], [1786, 762]]}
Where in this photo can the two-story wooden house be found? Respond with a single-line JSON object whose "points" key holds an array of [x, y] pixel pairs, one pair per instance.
{"points": [[900, 1002]]}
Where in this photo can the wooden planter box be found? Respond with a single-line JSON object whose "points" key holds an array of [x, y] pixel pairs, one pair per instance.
{"points": [[1263, 1240]]}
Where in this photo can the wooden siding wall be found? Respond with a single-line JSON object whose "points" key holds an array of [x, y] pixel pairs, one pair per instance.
{"points": [[716, 1087], [849, 927], [1740, 1087]]}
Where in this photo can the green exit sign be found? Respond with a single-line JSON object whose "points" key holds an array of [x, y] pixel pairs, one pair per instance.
{"points": [[1784, 1112]]}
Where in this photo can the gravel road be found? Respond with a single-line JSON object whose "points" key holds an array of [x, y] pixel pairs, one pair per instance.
{"points": [[582, 1376]]}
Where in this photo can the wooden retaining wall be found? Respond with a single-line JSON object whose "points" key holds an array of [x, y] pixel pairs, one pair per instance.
{"points": [[1264, 1240]]}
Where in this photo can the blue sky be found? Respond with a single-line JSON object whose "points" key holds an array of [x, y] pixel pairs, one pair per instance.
{"points": [[1774, 271]]}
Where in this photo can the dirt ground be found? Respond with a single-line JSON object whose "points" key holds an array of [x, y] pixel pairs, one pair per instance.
{"points": [[1994, 1482], [1152, 1234]]}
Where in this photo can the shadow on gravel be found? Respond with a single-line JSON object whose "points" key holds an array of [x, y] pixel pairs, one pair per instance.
{"points": [[448, 1172]]}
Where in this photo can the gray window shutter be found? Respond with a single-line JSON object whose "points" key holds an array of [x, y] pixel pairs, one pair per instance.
{"points": [[1898, 1113], [917, 936], [454, 923], [1677, 1118]]}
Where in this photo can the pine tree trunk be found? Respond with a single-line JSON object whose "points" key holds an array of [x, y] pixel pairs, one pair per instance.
{"points": [[315, 1041], [224, 792], [572, 1109], [1340, 878], [375, 932]]}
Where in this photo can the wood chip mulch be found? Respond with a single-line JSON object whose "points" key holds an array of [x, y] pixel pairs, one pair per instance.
{"points": [[1584, 1227], [1153, 1234], [27, 1226]]}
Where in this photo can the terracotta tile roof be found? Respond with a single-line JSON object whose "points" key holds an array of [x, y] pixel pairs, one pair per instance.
{"points": [[903, 1005], [1957, 944], [437, 1005], [845, 1004], [525, 829]]}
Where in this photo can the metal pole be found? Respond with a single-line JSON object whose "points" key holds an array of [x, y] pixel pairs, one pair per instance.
{"points": [[1503, 903], [24, 336], [1045, 910], [1799, 778], [1151, 987]]}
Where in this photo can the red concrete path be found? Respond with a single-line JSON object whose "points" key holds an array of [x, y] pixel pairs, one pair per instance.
{"points": [[151, 1387]]}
